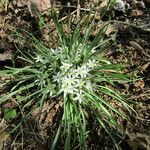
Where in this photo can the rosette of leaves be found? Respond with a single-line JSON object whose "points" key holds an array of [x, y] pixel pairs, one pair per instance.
{"points": [[76, 73]]}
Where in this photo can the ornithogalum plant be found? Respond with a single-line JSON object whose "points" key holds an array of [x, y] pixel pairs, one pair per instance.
{"points": [[78, 75]]}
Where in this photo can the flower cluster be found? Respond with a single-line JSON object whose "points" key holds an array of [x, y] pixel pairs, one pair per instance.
{"points": [[71, 79]]}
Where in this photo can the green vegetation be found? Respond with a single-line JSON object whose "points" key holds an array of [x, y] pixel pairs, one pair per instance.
{"points": [[75, 73]]}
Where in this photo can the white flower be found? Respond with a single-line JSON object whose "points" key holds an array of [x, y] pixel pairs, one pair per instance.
{"points": [[65, 66], [79, 97], [40, 82], [80, 83], [53, 50], [65, 80], [67, 89], [57, 77], [93, 50], [83, 71], [91, 63], [69, 80], [68, 85], [74, 73], [88, 85], [38, 59]]}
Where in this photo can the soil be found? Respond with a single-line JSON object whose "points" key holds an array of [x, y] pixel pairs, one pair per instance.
{"points": [[131, 29]]}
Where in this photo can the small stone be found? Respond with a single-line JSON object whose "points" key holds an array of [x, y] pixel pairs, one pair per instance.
{"points": [[36, 6], [21, 3], [120, 5]]}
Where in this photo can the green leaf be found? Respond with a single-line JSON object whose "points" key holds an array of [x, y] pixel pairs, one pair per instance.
{"points": [[41, 21], [9, 113]]}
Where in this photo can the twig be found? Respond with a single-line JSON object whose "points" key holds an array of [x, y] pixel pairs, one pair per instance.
{"points": [[78, 10], [63, 18], [143, 119], [70, 6], [138, 28]]}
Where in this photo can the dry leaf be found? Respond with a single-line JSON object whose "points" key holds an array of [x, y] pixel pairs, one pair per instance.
{"points": [[138, 141], [139, 84], [38, 6], [5, 56], [136, 45], [111, 29], [3, 135]]}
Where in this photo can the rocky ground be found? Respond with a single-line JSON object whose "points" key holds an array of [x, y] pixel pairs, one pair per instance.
{"points": [[129, 24]]}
